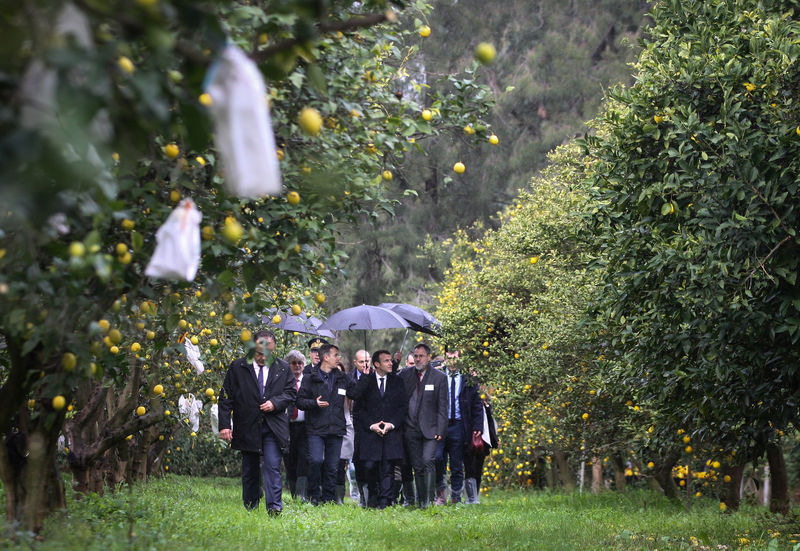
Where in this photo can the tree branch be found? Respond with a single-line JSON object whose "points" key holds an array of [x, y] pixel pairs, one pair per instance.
{"points": [[351, 24]]}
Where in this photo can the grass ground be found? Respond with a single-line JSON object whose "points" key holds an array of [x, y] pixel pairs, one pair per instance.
{"points": [[183, 514]]}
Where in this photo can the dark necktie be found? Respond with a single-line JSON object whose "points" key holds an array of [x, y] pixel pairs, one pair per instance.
{"points": [[380, 381], [419, 379], [297, 387], [261, 381], [452, 397]]}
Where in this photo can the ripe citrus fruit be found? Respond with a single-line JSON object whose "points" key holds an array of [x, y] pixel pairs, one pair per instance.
{"points": [[485, 52], [494, 140], [387, 175], [125, 64], [232, 230], [209, 392], [459, 168], [77, 249], [276, 319], [296, 310], [140, 411], [171, 150], [158, 389], [246, 335], [310, 121], [115, 336], [320, 298], [426, 114], [59, 402], [425, 31], [293, 198]]}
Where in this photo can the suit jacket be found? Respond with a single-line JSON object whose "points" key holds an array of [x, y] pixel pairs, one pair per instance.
{"points": [[328, 420], [432, 412], [240, 399], [370, 408], [469, 402]]}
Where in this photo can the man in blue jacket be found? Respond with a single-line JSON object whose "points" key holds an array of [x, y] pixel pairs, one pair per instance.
{"points": [[465, 420], [256, 393], [321, 396]]}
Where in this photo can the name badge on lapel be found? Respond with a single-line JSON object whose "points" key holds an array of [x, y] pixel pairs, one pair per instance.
{"points": [[342, 392], [428, 387]]}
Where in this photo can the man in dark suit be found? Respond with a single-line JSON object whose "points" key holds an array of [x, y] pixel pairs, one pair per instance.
{"points": [[321, 396], [465, 419], [426, 421], [256, 393], [380, 407]]}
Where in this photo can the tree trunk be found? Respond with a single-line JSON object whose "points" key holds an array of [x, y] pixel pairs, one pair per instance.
{"points": [[663, 475], [779, 502], [564, 472], [620, 482], [597, 475], [731, 495], [32, 483]]}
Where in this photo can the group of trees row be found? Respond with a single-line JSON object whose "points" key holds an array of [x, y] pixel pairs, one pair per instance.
{"points": [[639, 301], [104, 130]]}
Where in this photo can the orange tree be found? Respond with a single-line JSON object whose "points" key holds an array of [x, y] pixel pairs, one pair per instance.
{"points": [[695, 193], [513, 300], [104, 131]]}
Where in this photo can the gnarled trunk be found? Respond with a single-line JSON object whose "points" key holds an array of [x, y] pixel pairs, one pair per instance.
{"points": [[663, 475], [620, 482], [732, 491], [597, 475]]}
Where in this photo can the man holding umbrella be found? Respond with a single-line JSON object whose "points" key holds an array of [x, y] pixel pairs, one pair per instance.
{"points": [[426, 422]]}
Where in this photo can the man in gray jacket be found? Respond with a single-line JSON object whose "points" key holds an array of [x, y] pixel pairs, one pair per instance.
{"points": [[426, 422]]}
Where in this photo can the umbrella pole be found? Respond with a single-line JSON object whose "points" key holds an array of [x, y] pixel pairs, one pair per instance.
{"points": [[403, 345]]}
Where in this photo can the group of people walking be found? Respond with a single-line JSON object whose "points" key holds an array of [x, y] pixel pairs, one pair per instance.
{"points": [[399, 426]]}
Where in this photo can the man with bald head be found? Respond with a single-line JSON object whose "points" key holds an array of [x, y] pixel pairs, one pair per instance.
{"points": [[362, 365]]}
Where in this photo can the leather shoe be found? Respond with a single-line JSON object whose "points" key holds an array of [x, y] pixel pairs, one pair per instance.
{"points": [[274, 512]]}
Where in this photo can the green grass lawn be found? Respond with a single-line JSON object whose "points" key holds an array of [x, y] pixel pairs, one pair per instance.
{"points": [[183, 513]]}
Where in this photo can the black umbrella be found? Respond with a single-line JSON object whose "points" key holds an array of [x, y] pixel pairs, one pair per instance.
{"points": [[417, 318]]}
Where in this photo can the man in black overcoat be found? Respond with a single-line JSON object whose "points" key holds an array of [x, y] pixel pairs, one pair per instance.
{"points": [[380, 406], [253, 418]]}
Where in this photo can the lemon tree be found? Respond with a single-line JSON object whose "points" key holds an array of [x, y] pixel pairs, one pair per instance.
{"points": [[694, 192], [86, 191]]}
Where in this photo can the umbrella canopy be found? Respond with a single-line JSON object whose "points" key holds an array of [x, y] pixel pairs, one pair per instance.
{"points": [[417, 318], [364, 317], [301, 324]]}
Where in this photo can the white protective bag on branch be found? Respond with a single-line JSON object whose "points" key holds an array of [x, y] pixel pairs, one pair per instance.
{"points": [[214, 414], [190, 407], [177, 254], [193, 355], [242, 126]]}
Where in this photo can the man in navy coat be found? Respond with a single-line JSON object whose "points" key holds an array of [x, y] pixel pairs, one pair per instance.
{"points": [[321, 396], [379, 413], [255, 394]]}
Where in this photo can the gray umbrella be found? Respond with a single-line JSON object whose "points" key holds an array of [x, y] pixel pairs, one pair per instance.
{"points": [[364, 317], [301, 324]]}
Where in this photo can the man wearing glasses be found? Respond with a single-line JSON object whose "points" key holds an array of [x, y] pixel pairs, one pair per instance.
{"points": [[296, 459], [426, 422], [255, 395]]}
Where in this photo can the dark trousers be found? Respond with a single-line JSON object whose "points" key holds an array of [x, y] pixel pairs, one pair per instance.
{"points": [[380, 483], [473, 466], [296, 459], [422, 456], [323, 459], [452, 448], [256, 466]]}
